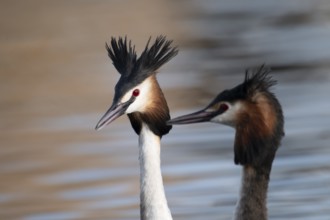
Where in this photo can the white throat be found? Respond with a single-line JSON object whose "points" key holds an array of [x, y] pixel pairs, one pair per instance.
{"points": [[153, 201]]}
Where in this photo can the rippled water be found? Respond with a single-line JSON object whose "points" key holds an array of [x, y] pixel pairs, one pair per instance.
{"points": [[56, 85]]}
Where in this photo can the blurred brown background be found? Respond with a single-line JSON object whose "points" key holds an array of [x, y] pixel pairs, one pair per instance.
{"points": [[57, 81]]}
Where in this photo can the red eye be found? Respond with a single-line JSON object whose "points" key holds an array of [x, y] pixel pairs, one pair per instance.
{"points": [[136, 92], [223, 107]]}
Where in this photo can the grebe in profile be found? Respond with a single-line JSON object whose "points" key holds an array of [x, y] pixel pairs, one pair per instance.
{"points": [[257, 116]]}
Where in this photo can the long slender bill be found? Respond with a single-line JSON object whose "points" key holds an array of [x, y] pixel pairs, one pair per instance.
{"points": [[196, 117], [115, 111]]}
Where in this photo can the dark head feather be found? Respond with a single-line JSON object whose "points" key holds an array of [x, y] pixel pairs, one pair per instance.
{"points": [[260, 128], [135, 70], [154, 57], [122, 54], [257, 80], [124, 58]]}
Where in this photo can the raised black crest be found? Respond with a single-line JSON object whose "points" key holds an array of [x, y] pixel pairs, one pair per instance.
{"points": [[258, 80], [125, 60], [261, 127], [122, 54], [135, 70]]}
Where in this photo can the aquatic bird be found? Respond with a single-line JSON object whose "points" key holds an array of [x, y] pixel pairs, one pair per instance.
{"points": [[256, 114], [138, 94]]}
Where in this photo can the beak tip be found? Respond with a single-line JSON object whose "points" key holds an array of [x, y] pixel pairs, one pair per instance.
{"points": [[115, 111], [99, 126]]}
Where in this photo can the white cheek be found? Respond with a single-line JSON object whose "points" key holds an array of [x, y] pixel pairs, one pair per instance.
{"points": [[137, 106], [140, 101], [229, 116], [226, 118]]}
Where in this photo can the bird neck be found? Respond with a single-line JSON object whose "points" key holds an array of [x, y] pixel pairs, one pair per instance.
{"points": [[152, 195], [253, 194]]}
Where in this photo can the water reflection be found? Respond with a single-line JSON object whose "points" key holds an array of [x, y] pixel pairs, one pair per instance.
{"points": [[56, 83]]}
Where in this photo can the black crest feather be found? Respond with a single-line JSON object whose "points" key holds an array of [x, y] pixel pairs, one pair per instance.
{"points": [[125, 60], [122, 54], [254, 146], [257, 80], [134, 70], [154, 57]]}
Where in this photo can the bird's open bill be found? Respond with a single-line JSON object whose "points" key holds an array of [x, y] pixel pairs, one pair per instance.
{"points": [[115, 111], [196, 117]]}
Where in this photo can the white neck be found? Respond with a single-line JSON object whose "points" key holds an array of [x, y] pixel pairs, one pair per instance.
{"points": [[152, 195]]}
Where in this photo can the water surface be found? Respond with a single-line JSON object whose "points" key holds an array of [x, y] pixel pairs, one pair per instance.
{"points": [[57, 82]]}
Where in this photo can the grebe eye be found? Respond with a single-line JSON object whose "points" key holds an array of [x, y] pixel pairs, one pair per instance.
{"points": [[223, 107], [136, 92]]}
